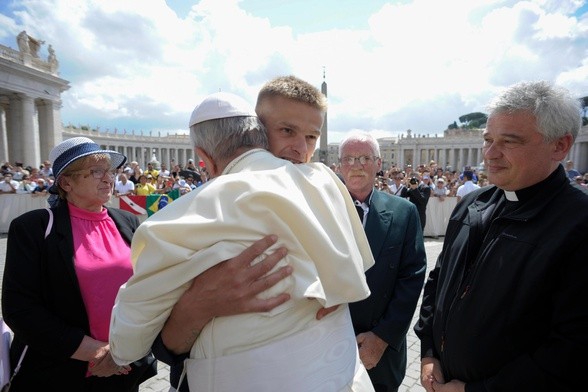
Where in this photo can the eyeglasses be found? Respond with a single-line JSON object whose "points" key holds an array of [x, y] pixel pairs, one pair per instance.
{"points": [[350, 161], [99, 173]]}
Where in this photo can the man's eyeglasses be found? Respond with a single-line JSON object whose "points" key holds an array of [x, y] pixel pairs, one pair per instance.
{"points": [[350, 161]]}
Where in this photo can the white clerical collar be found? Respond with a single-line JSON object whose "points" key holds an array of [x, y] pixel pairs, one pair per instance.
{"points": [[511, 196]]}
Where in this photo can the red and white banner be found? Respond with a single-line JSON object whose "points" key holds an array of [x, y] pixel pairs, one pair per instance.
{"points": [[134, 204]]}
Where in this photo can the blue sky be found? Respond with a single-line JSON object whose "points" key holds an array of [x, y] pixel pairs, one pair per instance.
{"points": [[390, 65]]}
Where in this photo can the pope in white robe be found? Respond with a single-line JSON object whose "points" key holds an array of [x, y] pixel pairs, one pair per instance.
{"points": [[312, 213]]}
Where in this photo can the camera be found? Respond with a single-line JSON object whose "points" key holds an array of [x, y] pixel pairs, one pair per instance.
{"points": [[413, 181]]}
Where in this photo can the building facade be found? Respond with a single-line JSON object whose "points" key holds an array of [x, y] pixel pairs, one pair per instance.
{"points": [[30, 102]]}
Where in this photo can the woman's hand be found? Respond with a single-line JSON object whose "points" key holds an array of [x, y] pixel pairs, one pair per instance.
{"points": [[104, 365], [97, 354]]}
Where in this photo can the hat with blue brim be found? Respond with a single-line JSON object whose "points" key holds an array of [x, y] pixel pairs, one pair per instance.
{"points": [[70, 150]]}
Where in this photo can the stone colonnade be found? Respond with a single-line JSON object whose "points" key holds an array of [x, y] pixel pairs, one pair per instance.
{"points": [[171, 149], [454, 158], [29, 128], [30, 103]]}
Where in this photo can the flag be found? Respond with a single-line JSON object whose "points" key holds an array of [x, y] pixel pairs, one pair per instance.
{"points": [[156, 202], [134, 204], [174, 194]]}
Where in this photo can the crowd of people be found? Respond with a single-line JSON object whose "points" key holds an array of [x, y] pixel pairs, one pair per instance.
{"points": [[130, 179], [278, 275], [155, 178]]}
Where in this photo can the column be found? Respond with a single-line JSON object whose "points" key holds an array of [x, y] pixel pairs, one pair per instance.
{"points": [[50, 128], [25, 131], [30, 132], [3, 139]]}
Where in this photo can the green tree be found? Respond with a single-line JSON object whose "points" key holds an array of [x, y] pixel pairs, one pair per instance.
{"points": [[473, 120]]}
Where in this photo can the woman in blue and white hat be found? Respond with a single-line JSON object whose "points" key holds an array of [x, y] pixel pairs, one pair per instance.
{"points": [[63, 269]]}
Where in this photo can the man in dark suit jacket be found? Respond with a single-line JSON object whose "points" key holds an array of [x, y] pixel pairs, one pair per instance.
{"points": [[394, 232]]}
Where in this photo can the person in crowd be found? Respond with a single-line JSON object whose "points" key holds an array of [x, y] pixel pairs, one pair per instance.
{"points": [[63, 269], [18, 172], [42, 187], [292, 111], [25, 186], [144, 187], [579, 180], [467, 186], [35, 174], [396, 185], [504, 308], [175, 173], [151, 171], [190, 183], [191, 166], [570, 171], [162, 185], [6, 168], [418, 194], [136, 173], [46, 169], [254, 192], [8, 185], [440, 191], [394, 232], [426, 179], [439, 174], [123, 186], [469, 169], [408, 172], [181, 185], [164, 171]]}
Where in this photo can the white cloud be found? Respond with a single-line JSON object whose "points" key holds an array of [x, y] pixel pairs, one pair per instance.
{"points": [[417, 65]]}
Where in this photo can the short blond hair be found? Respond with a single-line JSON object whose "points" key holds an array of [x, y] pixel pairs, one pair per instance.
{"points": [[293, 88]]}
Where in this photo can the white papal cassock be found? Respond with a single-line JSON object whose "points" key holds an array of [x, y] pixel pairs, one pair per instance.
{"points": [[312, 214]]}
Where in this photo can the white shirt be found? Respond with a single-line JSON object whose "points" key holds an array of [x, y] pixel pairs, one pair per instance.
{"points": [[5, 187], [466, 188], [124, 188]]}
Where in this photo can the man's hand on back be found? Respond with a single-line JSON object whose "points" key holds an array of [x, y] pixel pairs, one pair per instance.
{"points": [[229, 288]]}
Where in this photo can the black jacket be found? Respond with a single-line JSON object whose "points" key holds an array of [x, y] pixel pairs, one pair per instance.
{"points": [[419, 197], [42, 302], [505, 307]]}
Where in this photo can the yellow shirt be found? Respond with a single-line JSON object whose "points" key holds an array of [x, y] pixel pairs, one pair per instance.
{"points": [[144, 190]]}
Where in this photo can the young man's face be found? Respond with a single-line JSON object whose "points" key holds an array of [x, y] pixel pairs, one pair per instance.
{"points": [[293, 127]]}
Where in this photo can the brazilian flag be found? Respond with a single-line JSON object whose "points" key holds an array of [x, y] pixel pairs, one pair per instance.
{"points": [[156, 202]]}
